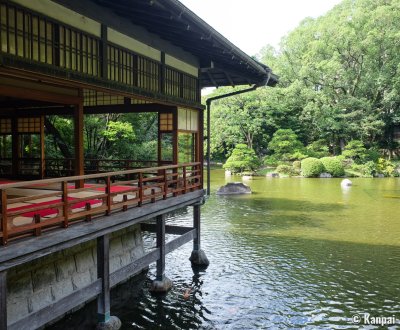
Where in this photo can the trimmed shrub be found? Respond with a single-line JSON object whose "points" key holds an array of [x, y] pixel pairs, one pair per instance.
{"points": [[242, 159], [287, 170], [311, 167], [333, 166], [297, 164]]}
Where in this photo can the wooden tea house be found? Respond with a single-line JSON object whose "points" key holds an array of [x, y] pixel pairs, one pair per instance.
{"points": [[79, 58]]}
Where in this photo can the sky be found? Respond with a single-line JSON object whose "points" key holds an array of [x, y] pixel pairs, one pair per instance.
{"points": [[252, 24]]}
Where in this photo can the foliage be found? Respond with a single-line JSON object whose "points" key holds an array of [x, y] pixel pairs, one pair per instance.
{"points": [[355, 150], [242, 159], [311, 167], [297, 164], [271, 161], [287, 170], [317, 149], [385, 167], [333, 165], [285, 145], [364, 170]]}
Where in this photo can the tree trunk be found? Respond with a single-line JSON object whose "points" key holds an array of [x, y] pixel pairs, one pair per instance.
{"points": [[51, 129]]}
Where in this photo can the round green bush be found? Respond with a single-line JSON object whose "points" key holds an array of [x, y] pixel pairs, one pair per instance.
{"points": [[333, 166], [297, 164], [311, 167], [285, 169]]}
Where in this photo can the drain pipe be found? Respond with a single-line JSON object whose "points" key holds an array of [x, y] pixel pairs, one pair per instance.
{"points": [[208, 103]]}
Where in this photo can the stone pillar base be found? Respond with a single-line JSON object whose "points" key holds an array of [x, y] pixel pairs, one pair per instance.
{"points": [[114, 323], [199, 258], [161, 286]]}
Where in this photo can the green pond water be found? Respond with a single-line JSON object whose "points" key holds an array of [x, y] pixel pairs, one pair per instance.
{"points": [[297, 253]]}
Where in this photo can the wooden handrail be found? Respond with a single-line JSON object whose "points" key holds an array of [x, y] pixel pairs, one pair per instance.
{"points": [[91, 176], [60, 206]]}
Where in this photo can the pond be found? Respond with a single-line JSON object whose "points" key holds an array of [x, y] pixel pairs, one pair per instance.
{"points": [[296, 253]]}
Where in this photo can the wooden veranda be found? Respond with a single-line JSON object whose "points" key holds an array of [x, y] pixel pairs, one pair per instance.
{"points": [[77, 58]]}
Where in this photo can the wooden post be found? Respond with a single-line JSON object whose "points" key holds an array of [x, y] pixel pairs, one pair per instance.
{"points": [[175, 137], [161, 245], [4, 220], [103, 51], [3, 300], [42, 151], [64, 186], [198, 256], [15, 146], [184, 180], [165, 184], [196, 225], [103, 273], [78, 141], [108, 192], [141, 189], [200, 142]]}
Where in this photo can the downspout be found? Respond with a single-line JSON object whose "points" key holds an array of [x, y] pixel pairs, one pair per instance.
{"points": [[208, 103]]}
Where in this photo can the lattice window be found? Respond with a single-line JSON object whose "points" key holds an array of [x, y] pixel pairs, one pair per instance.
{"points": [[188, 120], [26, 35], [148, 74], [166, 122], [93, 98], [79, 51], [5, 126], [29, 125]]}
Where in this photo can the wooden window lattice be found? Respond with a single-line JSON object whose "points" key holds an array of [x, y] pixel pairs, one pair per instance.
{"points": [[5, 126], [35, 37], [166, 122], [29, 125]]}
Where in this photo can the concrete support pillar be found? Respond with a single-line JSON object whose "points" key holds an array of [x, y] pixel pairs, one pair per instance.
{"points": [[3, 300], [105, 320], [162, 284], [198, 257]]}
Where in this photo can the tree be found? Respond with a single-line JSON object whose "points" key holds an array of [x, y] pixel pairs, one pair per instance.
{"points": [[284, 144], [242, 159]]}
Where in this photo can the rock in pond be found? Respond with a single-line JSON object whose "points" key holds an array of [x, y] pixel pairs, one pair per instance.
{"points": [[234, 188], [325, 175], [273, 175], [346, 183]]}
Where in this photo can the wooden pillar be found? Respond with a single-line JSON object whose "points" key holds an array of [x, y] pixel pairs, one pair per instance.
{"points": [[3, 300], [162, 74], [159, 147], [201, 145], [103, 272], [15, 146], [196, 225], [198, 256], [175, 137], [161, 245], [104, 52], [42, 151], [78, 141]]}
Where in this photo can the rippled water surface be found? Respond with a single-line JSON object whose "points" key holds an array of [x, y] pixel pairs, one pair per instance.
{"points": [[297, 253]]}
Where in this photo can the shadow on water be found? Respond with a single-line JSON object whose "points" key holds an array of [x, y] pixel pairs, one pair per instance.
{"points": [[263, 278]]}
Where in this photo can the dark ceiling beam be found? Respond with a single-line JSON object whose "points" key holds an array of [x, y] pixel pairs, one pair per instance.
{"points": [[128, 108], [212, 79]]}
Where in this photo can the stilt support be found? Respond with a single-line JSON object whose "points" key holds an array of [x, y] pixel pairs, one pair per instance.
{"points": [[162, 284], [198, 257], [3, 300], [105, 321]]}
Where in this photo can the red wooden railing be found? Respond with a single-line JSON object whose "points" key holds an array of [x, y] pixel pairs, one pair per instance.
{"points": [[29, 207]]}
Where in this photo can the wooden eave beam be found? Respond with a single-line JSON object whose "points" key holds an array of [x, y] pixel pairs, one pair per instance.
{"points": [[122, 108]]}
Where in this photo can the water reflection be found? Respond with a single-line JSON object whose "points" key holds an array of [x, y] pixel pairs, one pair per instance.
{"points": [[297, 254]]}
